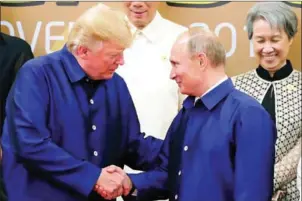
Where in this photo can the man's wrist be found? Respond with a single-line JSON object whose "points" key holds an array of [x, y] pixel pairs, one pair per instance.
{"points": [[133, 191]]}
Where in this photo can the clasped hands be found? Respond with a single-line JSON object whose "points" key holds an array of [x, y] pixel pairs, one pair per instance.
{"points": [[113, 182]]}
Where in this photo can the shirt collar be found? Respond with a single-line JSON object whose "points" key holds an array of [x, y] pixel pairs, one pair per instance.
{"points": [[282, 73], [189, 102], [218, 83], [215, 95], [71, 65], [152, 30], [215, 85]]}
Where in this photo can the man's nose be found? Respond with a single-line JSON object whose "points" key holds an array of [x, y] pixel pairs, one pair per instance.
{"points": [[172, 74], [137, 4], [121, 61]]}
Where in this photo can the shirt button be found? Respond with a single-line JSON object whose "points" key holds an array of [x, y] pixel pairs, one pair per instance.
{"points": [[87, 79], [176, 196], [186, 148], [95, 153], [93, 127], [91, 101], [179, 173]]}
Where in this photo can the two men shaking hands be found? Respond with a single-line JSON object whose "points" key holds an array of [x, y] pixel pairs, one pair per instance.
{"points": [[113, 182]]}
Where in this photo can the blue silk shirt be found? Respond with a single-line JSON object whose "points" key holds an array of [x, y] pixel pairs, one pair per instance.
{"points": [[219, 149], [62, 128]]}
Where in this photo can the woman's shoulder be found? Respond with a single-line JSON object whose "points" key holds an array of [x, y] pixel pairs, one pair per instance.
{"points": [[245, 75], [296, 76]]}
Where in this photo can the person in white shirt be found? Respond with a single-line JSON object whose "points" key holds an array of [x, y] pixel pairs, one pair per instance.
{"points": [[147, 67], [146, 70]]}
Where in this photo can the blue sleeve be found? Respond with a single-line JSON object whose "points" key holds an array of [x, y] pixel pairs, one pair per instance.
{"points": [[142, 150], [255, 137], [154, 184], [27, 114]]}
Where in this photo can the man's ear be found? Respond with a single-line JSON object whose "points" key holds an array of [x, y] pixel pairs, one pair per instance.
{"points": [[203, 60], [82, 52]]}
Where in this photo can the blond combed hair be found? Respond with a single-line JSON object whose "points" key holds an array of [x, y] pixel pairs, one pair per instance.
{"points": [[97, 24]]}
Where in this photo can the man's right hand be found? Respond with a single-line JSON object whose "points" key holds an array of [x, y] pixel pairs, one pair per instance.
{"points": [[113, 182]]}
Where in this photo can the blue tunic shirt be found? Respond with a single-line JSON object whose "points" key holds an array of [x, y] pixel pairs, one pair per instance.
{"points": [[220, 149], [57, 136]]}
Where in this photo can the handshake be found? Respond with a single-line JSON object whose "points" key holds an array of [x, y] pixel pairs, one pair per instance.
{"points": [[112, 183]]}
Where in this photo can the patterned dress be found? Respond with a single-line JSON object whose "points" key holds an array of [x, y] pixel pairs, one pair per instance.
{"points": [[281, 97]]}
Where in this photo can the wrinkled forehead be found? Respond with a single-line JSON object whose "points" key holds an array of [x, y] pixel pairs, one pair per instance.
{"points": [[181, 44], [111, 46], [179, 51]]}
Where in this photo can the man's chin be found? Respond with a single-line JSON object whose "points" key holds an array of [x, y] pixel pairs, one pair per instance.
{"points": [[108, 76], [181, 90]]}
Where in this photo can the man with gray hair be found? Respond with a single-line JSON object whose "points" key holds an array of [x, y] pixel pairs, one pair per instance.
{"points": [[220, 146], [69, 117]]}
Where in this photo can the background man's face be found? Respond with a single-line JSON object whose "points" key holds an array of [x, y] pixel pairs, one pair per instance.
{"points": [[141, 13]]}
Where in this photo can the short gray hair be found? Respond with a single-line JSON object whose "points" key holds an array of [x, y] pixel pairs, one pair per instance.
{"points": [[277, 14], [204, 40]]}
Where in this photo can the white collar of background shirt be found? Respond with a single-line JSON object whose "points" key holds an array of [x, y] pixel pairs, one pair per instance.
{"points": [[152, 31], [213, 87]]}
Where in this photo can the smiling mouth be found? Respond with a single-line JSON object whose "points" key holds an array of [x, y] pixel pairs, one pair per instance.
{"points": [[138, 13], [271, 57]]}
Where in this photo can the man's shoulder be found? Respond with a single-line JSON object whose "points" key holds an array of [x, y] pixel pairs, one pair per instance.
{"points": [[117, 80], [13, 40], [47, 58], [243, 98], [243, 102], [236, 103], [39, 63], [17, 44], [173, 27]]}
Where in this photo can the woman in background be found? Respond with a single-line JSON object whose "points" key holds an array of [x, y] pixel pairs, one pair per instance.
{"points": [[277, 86]]}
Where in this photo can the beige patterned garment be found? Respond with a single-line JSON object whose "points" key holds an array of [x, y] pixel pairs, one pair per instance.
{"points": [[288, 121]]}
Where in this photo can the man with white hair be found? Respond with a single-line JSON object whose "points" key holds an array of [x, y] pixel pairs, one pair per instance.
{"points": [[69, 116]]}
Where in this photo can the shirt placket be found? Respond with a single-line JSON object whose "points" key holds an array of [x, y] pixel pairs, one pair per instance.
{"points": [[92, 126]]}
